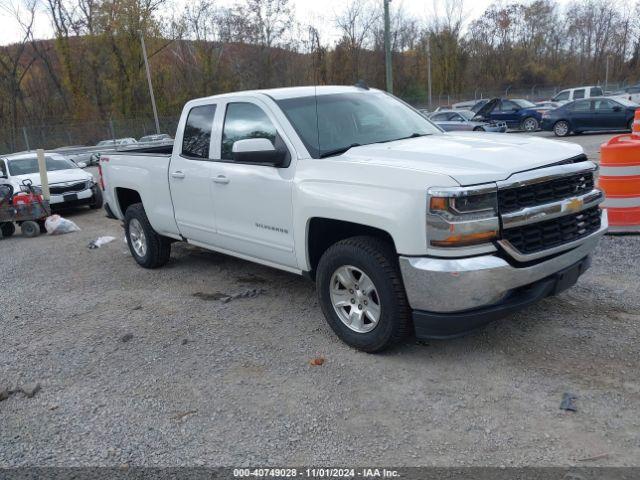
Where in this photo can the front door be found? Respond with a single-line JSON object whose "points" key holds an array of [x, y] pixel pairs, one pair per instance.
{"points": [[581, 115], [190, 174], [609, 114], [253, 202], [507, 111]]}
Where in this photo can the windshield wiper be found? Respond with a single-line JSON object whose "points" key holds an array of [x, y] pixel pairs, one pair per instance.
{"points": [[338, 151], [413, 135]]}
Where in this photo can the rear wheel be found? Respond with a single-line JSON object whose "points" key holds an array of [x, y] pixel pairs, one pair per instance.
{"points": [[561, 128], [362, 295], [529, 124], [30, 229], [148, 248]]}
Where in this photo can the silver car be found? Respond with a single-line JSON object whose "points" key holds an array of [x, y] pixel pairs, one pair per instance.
{"points": [[462, 120]]}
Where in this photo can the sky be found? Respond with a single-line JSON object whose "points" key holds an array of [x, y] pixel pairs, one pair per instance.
{"points": [[316, 12]]}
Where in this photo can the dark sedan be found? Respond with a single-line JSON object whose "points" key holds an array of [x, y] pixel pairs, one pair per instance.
{"points": [[517, 113], [590, 115]]}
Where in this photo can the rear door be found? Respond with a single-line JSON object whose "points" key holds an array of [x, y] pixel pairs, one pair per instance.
{"points": [[190, 174], [581, 115], [253, 204]]}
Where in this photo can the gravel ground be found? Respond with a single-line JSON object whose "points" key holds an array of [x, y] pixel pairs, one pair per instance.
{"points": [[151, 368]]}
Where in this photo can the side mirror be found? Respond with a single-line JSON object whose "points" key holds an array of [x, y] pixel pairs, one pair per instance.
{"points": [[257, 150], [81, 164]]}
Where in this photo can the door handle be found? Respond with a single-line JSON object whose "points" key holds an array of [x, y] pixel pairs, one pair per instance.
{"points": [[221, 179], [178, 174]]}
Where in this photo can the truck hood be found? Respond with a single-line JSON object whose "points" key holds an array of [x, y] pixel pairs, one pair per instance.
{"points": [[468, 157]]}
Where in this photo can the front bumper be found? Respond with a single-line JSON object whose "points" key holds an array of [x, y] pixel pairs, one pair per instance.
{"points": [[449, 293], [83, 197]]}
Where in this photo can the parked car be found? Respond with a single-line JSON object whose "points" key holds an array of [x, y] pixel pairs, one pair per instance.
{"points": [[69, 184], [399, 224], [118, 142], [517, 113], [466, 105], [571, 94], [629, 93], [161, 137], [600, 113], [462, 120]]}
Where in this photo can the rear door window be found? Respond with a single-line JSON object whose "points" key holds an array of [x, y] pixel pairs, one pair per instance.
{"points": [[197, 132], [581, 106], [596, 92], [578, 94], [245, 120]]}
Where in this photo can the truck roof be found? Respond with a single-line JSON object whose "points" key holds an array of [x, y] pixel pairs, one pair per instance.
{"points": [[295, 92]]}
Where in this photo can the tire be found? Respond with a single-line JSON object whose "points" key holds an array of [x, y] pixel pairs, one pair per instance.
{"points": [[478, 129], [97, 199], [157, 249], [561, 128], [7, 228], [630, 126], [377, 260], [530, 124], [30, 229]]}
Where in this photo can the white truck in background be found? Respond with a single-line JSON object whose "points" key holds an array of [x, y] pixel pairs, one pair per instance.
{"points": [[401, 225]]}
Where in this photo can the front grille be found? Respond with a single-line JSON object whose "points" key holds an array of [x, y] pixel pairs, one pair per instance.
{"points": [[551, 233], [513, 199], [75, 187]]}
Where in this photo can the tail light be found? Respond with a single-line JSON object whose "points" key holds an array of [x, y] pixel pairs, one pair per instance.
{"points": [[101, 180]]}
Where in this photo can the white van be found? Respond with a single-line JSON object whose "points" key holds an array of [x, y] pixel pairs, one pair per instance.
{"points": [[571, 94]]}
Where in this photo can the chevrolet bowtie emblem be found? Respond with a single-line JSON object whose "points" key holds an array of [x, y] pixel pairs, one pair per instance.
{"points": [[575, 204]]}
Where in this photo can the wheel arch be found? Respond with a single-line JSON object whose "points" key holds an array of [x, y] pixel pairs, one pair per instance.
{"points": [[125, 197], [323, 232]]}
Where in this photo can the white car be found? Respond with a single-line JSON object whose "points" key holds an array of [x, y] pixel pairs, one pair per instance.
{"points": [[69, 184], [571, 94], [401, 225]]}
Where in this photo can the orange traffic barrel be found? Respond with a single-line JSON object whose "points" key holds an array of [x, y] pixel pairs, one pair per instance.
{"points": [[635, 128], [620, 180]]}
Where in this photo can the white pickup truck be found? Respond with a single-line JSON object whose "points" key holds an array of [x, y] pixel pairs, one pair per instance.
{"points": [[401, 225]]}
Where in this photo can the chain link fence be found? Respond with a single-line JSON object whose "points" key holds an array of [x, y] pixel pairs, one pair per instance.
{"points": [[60, 135]]}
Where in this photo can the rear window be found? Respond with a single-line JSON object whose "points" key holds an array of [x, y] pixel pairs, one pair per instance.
{"points": [[197, 132]]}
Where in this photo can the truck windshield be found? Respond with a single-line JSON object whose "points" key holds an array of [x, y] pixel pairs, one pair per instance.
{"points": [[26, 166], [343, 120]]}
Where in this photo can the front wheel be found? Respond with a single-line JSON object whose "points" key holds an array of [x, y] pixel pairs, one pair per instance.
{"points": [[97, 199], [362, 295], [148, 248], [478, 129], [630, 126], [529, 124], [561, 128]]}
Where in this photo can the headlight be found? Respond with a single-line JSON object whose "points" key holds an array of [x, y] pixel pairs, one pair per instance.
{"points": [[461, 217]]}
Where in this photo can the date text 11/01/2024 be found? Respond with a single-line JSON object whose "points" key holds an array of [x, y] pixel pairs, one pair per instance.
{"points": [[315, 473]]}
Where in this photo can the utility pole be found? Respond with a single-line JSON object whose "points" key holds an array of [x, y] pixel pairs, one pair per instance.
{"points": [[606, 75], [153, 98], [429, 69], [387, 47]]}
